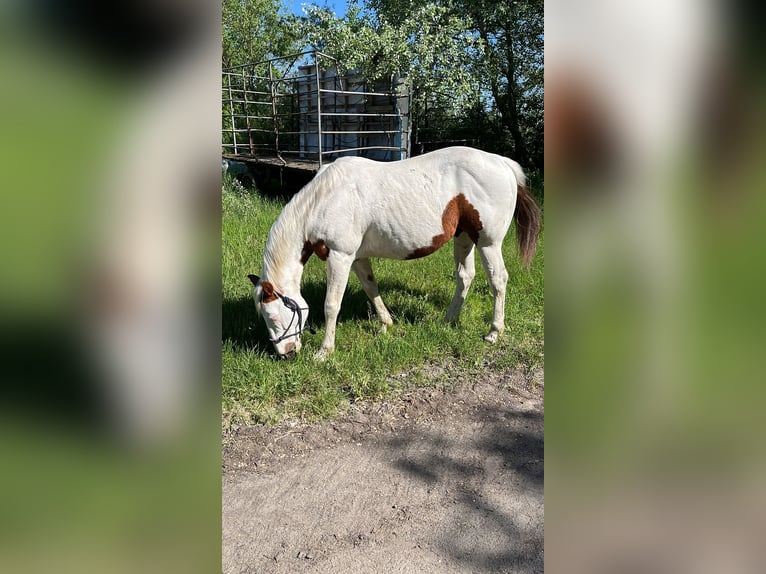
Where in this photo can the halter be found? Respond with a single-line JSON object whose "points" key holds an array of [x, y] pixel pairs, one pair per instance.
{"points": [[296, 309]]}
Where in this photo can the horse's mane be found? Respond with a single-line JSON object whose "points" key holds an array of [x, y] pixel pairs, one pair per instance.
{"points": [[288, 234]]}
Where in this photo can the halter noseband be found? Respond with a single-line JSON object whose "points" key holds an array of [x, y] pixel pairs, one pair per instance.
{"points": [[297, 310]]}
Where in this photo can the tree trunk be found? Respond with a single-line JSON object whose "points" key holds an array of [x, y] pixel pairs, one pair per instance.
{"points": [[507, 106], [510, 116]]}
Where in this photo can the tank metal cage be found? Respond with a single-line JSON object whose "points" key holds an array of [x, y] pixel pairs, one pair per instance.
{"points": [[301, 111]]}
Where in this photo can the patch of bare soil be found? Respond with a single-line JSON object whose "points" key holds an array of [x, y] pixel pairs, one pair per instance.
{"points": [[446, 479]]}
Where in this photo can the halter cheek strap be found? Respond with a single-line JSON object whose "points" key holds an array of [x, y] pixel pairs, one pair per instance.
{"points": [[297, 310]]}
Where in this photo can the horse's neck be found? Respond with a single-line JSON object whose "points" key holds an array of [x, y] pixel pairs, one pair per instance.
{"points": [[282, 259], [286, 278]]}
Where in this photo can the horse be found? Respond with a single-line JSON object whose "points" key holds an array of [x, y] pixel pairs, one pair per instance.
{"points": [[356, 208]]}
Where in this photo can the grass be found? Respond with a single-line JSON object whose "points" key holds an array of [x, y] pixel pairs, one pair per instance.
{"points": [[365, 365]]}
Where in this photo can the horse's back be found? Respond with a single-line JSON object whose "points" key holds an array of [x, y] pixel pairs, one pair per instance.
{"points": [[440, 173], [395, 209]]}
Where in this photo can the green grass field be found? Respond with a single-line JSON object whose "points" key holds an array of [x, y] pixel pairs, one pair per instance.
{"points": [[366, 364]]}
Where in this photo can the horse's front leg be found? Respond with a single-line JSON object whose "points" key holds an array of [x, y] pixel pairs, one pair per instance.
{"points": [[363, 269], [338, 268], [465, 270]]}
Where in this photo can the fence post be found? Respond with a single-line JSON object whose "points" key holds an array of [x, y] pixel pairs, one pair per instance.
{"points": [[231, 114], [247, 114], [319, 108], [407, 119], [274, 118]]}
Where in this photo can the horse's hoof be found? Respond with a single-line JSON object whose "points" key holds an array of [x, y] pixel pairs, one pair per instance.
{"points": [[321, 355], [491, 338]]}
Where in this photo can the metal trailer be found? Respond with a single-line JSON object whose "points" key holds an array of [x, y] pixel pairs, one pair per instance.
{"points": [[298, 112]]}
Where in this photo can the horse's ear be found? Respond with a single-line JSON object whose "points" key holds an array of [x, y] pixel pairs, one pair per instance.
{"points": [[268, 292], [254, 279]]}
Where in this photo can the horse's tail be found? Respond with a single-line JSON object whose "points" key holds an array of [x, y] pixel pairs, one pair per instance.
{"points": [[527, 216]]}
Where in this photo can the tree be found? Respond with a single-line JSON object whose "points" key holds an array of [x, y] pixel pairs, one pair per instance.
{"points": [[429, 47], [474, 66], [253, 30], [512, 65], [507, 63]]}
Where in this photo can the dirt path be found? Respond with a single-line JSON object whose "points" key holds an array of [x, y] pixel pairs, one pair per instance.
{"points": [[434, 481]]}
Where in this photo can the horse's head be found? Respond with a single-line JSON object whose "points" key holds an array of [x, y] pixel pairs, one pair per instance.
{"points": [[286, 316]]}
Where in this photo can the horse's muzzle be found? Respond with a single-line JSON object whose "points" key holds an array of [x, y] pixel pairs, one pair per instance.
{"points": [[289, 356]]}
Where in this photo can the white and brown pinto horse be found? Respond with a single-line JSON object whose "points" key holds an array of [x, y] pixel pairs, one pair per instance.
{"points": [[356, 208]]}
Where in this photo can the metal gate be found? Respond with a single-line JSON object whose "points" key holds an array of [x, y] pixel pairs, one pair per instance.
{"points": [[299, 111]]}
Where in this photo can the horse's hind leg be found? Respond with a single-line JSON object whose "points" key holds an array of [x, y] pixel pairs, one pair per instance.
{"points": [[492, 260], [465, 269], [363, 269]]}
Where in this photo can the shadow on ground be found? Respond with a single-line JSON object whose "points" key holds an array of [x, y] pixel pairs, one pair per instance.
{"points": [[498, 522], [245, 330], [440, 480]]}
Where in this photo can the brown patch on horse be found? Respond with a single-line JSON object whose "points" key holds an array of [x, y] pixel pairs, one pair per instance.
{"points": [[306, 252], [459, 216], [267, 292], [317, 247], [470, 220], [321, 250]]}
